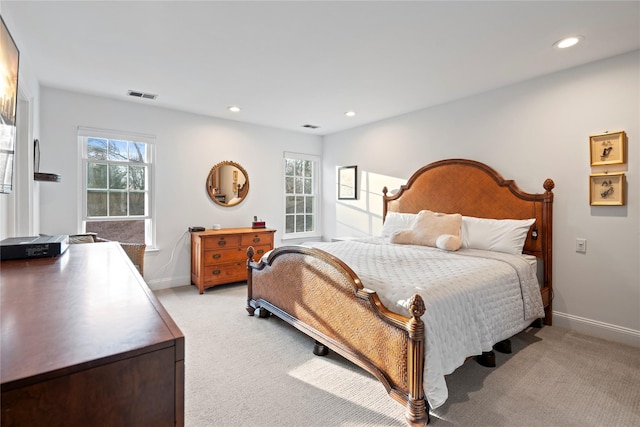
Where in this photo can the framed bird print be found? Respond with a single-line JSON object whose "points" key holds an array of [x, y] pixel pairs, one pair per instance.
{"points": [[608, 148], [606, 189]]}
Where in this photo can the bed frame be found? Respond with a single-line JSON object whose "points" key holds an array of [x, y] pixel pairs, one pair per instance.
{"points": [[321, 296]]}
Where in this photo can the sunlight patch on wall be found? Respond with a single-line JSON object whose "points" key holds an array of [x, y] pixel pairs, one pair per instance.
{"points": [[363, 217]]}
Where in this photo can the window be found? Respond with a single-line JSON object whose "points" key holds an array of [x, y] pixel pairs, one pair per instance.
{"points": [[301, 179], [117, 185]]}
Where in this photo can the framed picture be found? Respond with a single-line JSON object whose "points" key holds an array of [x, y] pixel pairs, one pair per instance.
{"points": [[9, 58], [607, 148], [607, 189], [347, 183]]}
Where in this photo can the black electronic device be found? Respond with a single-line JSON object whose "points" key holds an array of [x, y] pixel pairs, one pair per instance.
{"points": [[196, 228], [33, 247]]}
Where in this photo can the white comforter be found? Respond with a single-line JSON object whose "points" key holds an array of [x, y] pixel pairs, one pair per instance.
{"points": [[473, 298]]}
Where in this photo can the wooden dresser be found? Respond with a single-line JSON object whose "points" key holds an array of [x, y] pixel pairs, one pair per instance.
{"points": [[220, 256], [86, 343]]}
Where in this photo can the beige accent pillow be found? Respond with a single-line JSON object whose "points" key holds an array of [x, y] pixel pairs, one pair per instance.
{"points": [[448, 242], [432, 229]]}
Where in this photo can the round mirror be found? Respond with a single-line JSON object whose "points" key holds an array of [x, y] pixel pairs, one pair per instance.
{"points": [[227, 183]]}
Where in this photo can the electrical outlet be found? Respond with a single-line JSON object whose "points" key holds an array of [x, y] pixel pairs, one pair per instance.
{"points": [[581, 245]]}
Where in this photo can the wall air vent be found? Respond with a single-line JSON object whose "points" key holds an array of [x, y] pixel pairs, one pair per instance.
{"points": [[308, 126], [138, 94]]}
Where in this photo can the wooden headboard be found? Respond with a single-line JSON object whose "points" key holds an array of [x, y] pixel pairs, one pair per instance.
{"points": [[474, 189]]}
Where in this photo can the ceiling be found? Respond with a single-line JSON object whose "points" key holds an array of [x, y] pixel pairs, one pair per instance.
{"points": [[291, 63]]}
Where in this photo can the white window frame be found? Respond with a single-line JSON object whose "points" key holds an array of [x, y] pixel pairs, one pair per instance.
{"points": [[150, 217], [317, 167]]}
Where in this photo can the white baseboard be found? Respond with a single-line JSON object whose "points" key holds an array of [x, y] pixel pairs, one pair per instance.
{"points": [[166, 283], [598, 329]]}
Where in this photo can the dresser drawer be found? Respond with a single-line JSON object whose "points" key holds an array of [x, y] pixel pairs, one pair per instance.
{"points": [[259, 251], [221, 256], [254, 239], [218, 242], [225, 273]]}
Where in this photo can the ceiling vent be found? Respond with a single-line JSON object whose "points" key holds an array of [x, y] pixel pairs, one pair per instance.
{"points": [[137, 94], [308, 126]]}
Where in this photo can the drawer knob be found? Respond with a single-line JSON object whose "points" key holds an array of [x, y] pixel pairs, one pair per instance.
{"points": [[216, 256], [256, 239], [216, 272], [222, 242], [260, 251]]}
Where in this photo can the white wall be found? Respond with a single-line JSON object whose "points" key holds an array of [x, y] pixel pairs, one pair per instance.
{"points": [[187, 146], [528, 132]]}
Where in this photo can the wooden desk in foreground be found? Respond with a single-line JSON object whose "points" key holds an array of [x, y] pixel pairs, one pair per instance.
{"points": [[85, 342]]}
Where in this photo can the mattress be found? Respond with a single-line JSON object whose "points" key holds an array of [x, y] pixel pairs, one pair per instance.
{"points": [[473, 298]]}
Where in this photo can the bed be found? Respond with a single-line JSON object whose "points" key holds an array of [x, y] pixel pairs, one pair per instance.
{"points": [[338, 293]]}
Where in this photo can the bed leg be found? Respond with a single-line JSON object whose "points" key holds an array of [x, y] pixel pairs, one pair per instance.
{"points": [[417, 414], [263, 313], [320, 349], [538, 323], [503, 346], [487, 359]]}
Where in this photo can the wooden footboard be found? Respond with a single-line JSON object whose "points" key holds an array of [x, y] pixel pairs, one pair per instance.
{"points": [[322, 297]]}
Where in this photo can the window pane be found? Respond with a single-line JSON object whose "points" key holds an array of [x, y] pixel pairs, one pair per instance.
{"points": [[96, 148], [117, 177], [300, 192], [96, 203], [97, 175], [118, 150], [136, 178], [118, 184], [290, 205], [299, 204], [288, 185], [117, 204], [138, 152], [288, 167], [289, 224], [136, 203], [129, 231]]}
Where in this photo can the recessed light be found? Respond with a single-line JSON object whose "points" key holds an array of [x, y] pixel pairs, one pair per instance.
{"points": [[568, 42], [233, 108], [350, 113]]}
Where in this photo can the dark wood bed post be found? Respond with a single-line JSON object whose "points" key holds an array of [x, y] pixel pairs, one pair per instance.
{"points": [[384, 204], [250, 254], [547, 218], [417, 413]]}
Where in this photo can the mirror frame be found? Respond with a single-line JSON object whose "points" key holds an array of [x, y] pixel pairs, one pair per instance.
{"points": [[244, 190]]}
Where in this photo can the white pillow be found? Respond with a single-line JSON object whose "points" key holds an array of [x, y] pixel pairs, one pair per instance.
{"points": [[396, 221], [500, 235]]}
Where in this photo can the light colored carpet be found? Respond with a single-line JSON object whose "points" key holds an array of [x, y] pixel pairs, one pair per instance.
{"points": [[247, 371]]}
